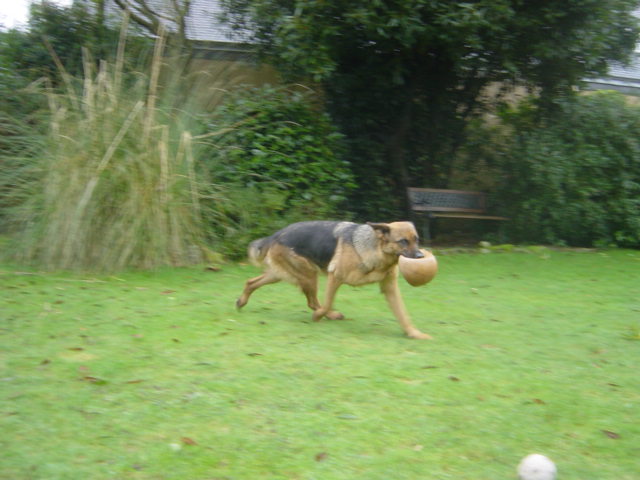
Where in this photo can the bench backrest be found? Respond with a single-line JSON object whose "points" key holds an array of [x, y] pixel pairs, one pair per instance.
{"points": [[438, 200]]}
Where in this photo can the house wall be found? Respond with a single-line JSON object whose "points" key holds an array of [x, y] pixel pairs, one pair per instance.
{"points": [[214, 72], [235, 72]]}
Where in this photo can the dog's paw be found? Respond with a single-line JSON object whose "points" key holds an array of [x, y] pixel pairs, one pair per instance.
{"points": [[418, 335], [240, 304], [334, 315], [317, 315]]}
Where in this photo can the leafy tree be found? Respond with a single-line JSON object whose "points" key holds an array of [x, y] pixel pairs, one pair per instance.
{"points": [[51, 28], [404, 78], [58, 33]]}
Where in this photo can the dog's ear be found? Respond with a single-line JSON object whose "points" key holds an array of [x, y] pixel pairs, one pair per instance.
{"points": [[380, 228]]}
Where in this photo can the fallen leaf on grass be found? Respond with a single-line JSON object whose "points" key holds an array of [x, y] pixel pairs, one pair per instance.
{"points": [[94, 380], [321, 456], [189, 441], [454, 379], [611, 434]]}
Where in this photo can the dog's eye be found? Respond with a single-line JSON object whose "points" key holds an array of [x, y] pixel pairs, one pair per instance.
{"points": [[404, 242]]}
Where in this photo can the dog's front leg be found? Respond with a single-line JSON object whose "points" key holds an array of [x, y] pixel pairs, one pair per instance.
{"points": [[389, 287], [332, 287]]}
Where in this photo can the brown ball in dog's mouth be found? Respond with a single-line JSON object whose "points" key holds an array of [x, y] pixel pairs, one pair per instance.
{"points": [[418, 271]]}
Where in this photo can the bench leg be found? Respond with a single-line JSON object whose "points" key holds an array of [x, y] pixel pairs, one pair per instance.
{"points": [[426, 230], [501, 232]]}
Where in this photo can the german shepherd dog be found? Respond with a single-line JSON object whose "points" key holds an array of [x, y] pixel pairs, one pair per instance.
{"points": [[349, 253]]}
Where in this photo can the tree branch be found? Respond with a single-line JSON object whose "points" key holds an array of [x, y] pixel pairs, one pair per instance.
{"points": [[151, 24], [145, 14]]}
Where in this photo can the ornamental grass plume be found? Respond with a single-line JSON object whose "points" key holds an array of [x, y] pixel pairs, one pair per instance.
{"points": [[115, 187]]}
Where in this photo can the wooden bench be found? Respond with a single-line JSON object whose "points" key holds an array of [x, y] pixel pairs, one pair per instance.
{"points": [[438, 203]]}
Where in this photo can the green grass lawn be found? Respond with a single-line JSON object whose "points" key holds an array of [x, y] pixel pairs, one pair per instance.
{"points": [[156, 376]]}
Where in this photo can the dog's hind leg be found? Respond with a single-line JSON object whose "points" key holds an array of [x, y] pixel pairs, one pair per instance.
{"points": [[309, 287], [303, 273], [253, 284]]}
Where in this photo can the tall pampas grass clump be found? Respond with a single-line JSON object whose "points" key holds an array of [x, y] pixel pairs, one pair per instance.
{"points": [[116, 185]]}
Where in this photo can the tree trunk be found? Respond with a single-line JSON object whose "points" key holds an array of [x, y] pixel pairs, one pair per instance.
{"points": [[396, 151]]}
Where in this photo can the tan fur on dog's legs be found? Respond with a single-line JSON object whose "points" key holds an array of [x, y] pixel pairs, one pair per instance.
{"points": [[325, 310], [389, 287], [310, 289], [252, 285], [334, 315]]}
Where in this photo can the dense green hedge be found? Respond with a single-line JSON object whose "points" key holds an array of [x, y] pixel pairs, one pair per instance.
{"points": [[280, 161], [281, 138], [573, 177]]}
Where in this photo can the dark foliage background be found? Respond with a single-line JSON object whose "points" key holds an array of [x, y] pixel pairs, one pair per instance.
{"points": [[404, 79], [572, 177]]}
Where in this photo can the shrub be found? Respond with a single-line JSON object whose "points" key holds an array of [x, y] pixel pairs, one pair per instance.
{"points": [[573, 177], [21, 138], [282, 139], [114, 186], [281, 162], [123, 172]]}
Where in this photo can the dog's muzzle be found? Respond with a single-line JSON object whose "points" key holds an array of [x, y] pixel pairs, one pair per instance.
{"points": [[414, 254]]}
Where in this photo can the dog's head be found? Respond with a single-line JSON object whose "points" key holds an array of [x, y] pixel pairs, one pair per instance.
{"points": [[398, 238]]}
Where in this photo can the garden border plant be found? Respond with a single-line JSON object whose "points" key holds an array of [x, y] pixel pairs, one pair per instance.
{"points": [[134, 173], [572, 176], [284, 162]]}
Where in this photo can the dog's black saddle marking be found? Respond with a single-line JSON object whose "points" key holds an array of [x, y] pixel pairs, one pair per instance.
{"points": [[313, 240]]}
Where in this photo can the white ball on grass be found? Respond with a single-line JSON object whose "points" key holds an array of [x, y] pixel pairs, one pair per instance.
{"points": [[537, 467]]}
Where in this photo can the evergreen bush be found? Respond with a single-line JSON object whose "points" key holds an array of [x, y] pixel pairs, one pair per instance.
{"points": [[573, 177], [281, 161]]}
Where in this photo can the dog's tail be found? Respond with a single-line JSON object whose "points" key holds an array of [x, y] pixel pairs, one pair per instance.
{"points": [[258, 250]]}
